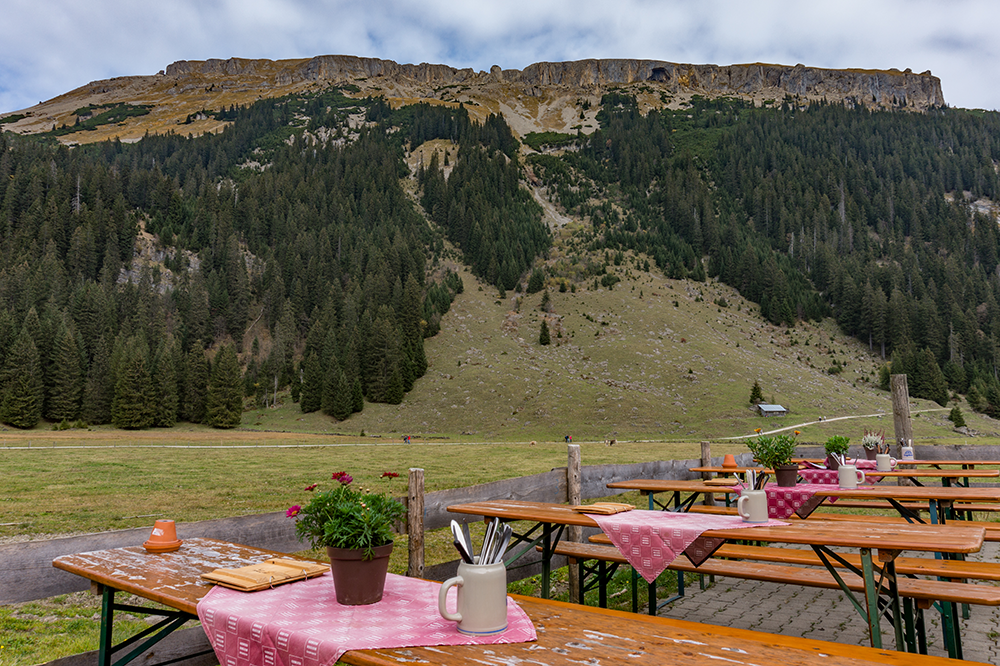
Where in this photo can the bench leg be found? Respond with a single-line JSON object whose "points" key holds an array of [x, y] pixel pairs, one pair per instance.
{"points": [[871, 598]]}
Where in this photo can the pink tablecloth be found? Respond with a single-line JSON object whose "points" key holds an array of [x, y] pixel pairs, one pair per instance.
{"points": [[301, 624], [651, 540], [800, 499], [830, 476]]}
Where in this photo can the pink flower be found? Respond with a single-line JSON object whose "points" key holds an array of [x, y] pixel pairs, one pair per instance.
{"points": [[293, 511], [391, 475], [343, 477], [312, 487]]}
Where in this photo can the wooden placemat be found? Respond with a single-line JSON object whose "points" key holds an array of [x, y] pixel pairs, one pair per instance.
{"points": [[266, 574], [605, 508]]}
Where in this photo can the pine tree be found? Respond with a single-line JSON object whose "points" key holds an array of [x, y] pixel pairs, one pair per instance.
{"points": [[955, 416], [543, 336], [98, 392], [756, 394], [165, 384], [134, 404], [311, 396], [65, 378], [196, 373], [21, 389], [224, 407]]}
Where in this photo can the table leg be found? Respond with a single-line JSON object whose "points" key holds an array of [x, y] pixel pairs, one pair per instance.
{"points": [[871, 598], [172, 620]]}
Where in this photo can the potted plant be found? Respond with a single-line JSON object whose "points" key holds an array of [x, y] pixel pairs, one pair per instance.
{"points": [[873, 443], [356, 528], [776, 452], [836, 449]]}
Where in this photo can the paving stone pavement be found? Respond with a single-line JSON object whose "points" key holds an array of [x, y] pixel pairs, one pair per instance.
{"points": [[825, 614]]}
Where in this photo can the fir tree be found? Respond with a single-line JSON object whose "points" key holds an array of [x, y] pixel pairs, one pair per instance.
{"points": [[955, 416], [165, 384], [543, 336], [756, 394], [134, 404], [196, 377], [224, 407], [65, 380], [311, 395], [21, 384], [98, 392]]}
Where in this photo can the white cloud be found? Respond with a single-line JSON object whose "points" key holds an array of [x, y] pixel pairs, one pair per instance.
{"points": [[50, 48]]}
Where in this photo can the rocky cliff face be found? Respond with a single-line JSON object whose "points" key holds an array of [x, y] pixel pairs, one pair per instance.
{"points": [[869, 87], [543, 96]]}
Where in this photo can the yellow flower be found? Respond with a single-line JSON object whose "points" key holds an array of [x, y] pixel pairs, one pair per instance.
{"points": [[757, 430], [798, 432]]}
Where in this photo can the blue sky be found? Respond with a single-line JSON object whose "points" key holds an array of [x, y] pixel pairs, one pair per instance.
{"points": [[48, 48]]}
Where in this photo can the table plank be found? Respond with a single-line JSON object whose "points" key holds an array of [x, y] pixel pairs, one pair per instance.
{"points": [[903, 536], [171, 579], [570, 634]]}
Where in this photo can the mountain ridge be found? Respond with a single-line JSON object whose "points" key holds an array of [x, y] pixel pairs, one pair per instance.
{"points": [[554, 89]]}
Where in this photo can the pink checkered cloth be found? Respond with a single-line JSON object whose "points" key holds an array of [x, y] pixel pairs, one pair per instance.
{"points": [[800, 499], [651, 540], [828, 476], [301, 623]]}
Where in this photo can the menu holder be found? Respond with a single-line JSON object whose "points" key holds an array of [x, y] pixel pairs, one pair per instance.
{"points": [[266, 574], [604, 508], [721, 482]]}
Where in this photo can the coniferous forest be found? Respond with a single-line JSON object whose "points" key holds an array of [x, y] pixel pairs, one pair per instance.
{"points": [[284, 255]]}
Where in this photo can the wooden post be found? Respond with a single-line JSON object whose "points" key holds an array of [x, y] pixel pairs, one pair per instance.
{"points": [[902, 428], [706, 460], [415, 523], [574, 495]]}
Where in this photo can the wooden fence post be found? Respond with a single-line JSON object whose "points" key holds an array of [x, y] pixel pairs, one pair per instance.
{"points": [[901, 426], [574, 495], [706, 460], [415, 523]]}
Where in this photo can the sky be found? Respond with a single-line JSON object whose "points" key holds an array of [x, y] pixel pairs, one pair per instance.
{"points": [[51, 47]]}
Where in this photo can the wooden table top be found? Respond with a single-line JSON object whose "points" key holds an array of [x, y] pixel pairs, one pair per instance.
{"points": [[171, 579], [571, 634], [876, 491], [909, 473], [971, 463], [949, 538], [568, 634]]}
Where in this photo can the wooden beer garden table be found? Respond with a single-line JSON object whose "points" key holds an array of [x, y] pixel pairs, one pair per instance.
{"points": [[939, 498], [568, 634], [887, 540], [946, 475]]}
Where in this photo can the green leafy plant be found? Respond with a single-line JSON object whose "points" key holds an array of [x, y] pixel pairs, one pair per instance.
{"points": [[773, 451], [837, 444], [347, 518]]}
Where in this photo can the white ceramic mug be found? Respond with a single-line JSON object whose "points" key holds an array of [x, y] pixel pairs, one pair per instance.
{"points": [[482, 599], [752, 506], [884, 462], [850, 476]]}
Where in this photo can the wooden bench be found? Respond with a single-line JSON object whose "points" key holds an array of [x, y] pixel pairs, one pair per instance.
{"points": [[923, 593], [913, 506], [954, 570]]}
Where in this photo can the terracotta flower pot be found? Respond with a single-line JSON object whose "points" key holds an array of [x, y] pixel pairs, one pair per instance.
{"points": [[729, 460], [163, 538], [786, 475], [359, 581]]}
